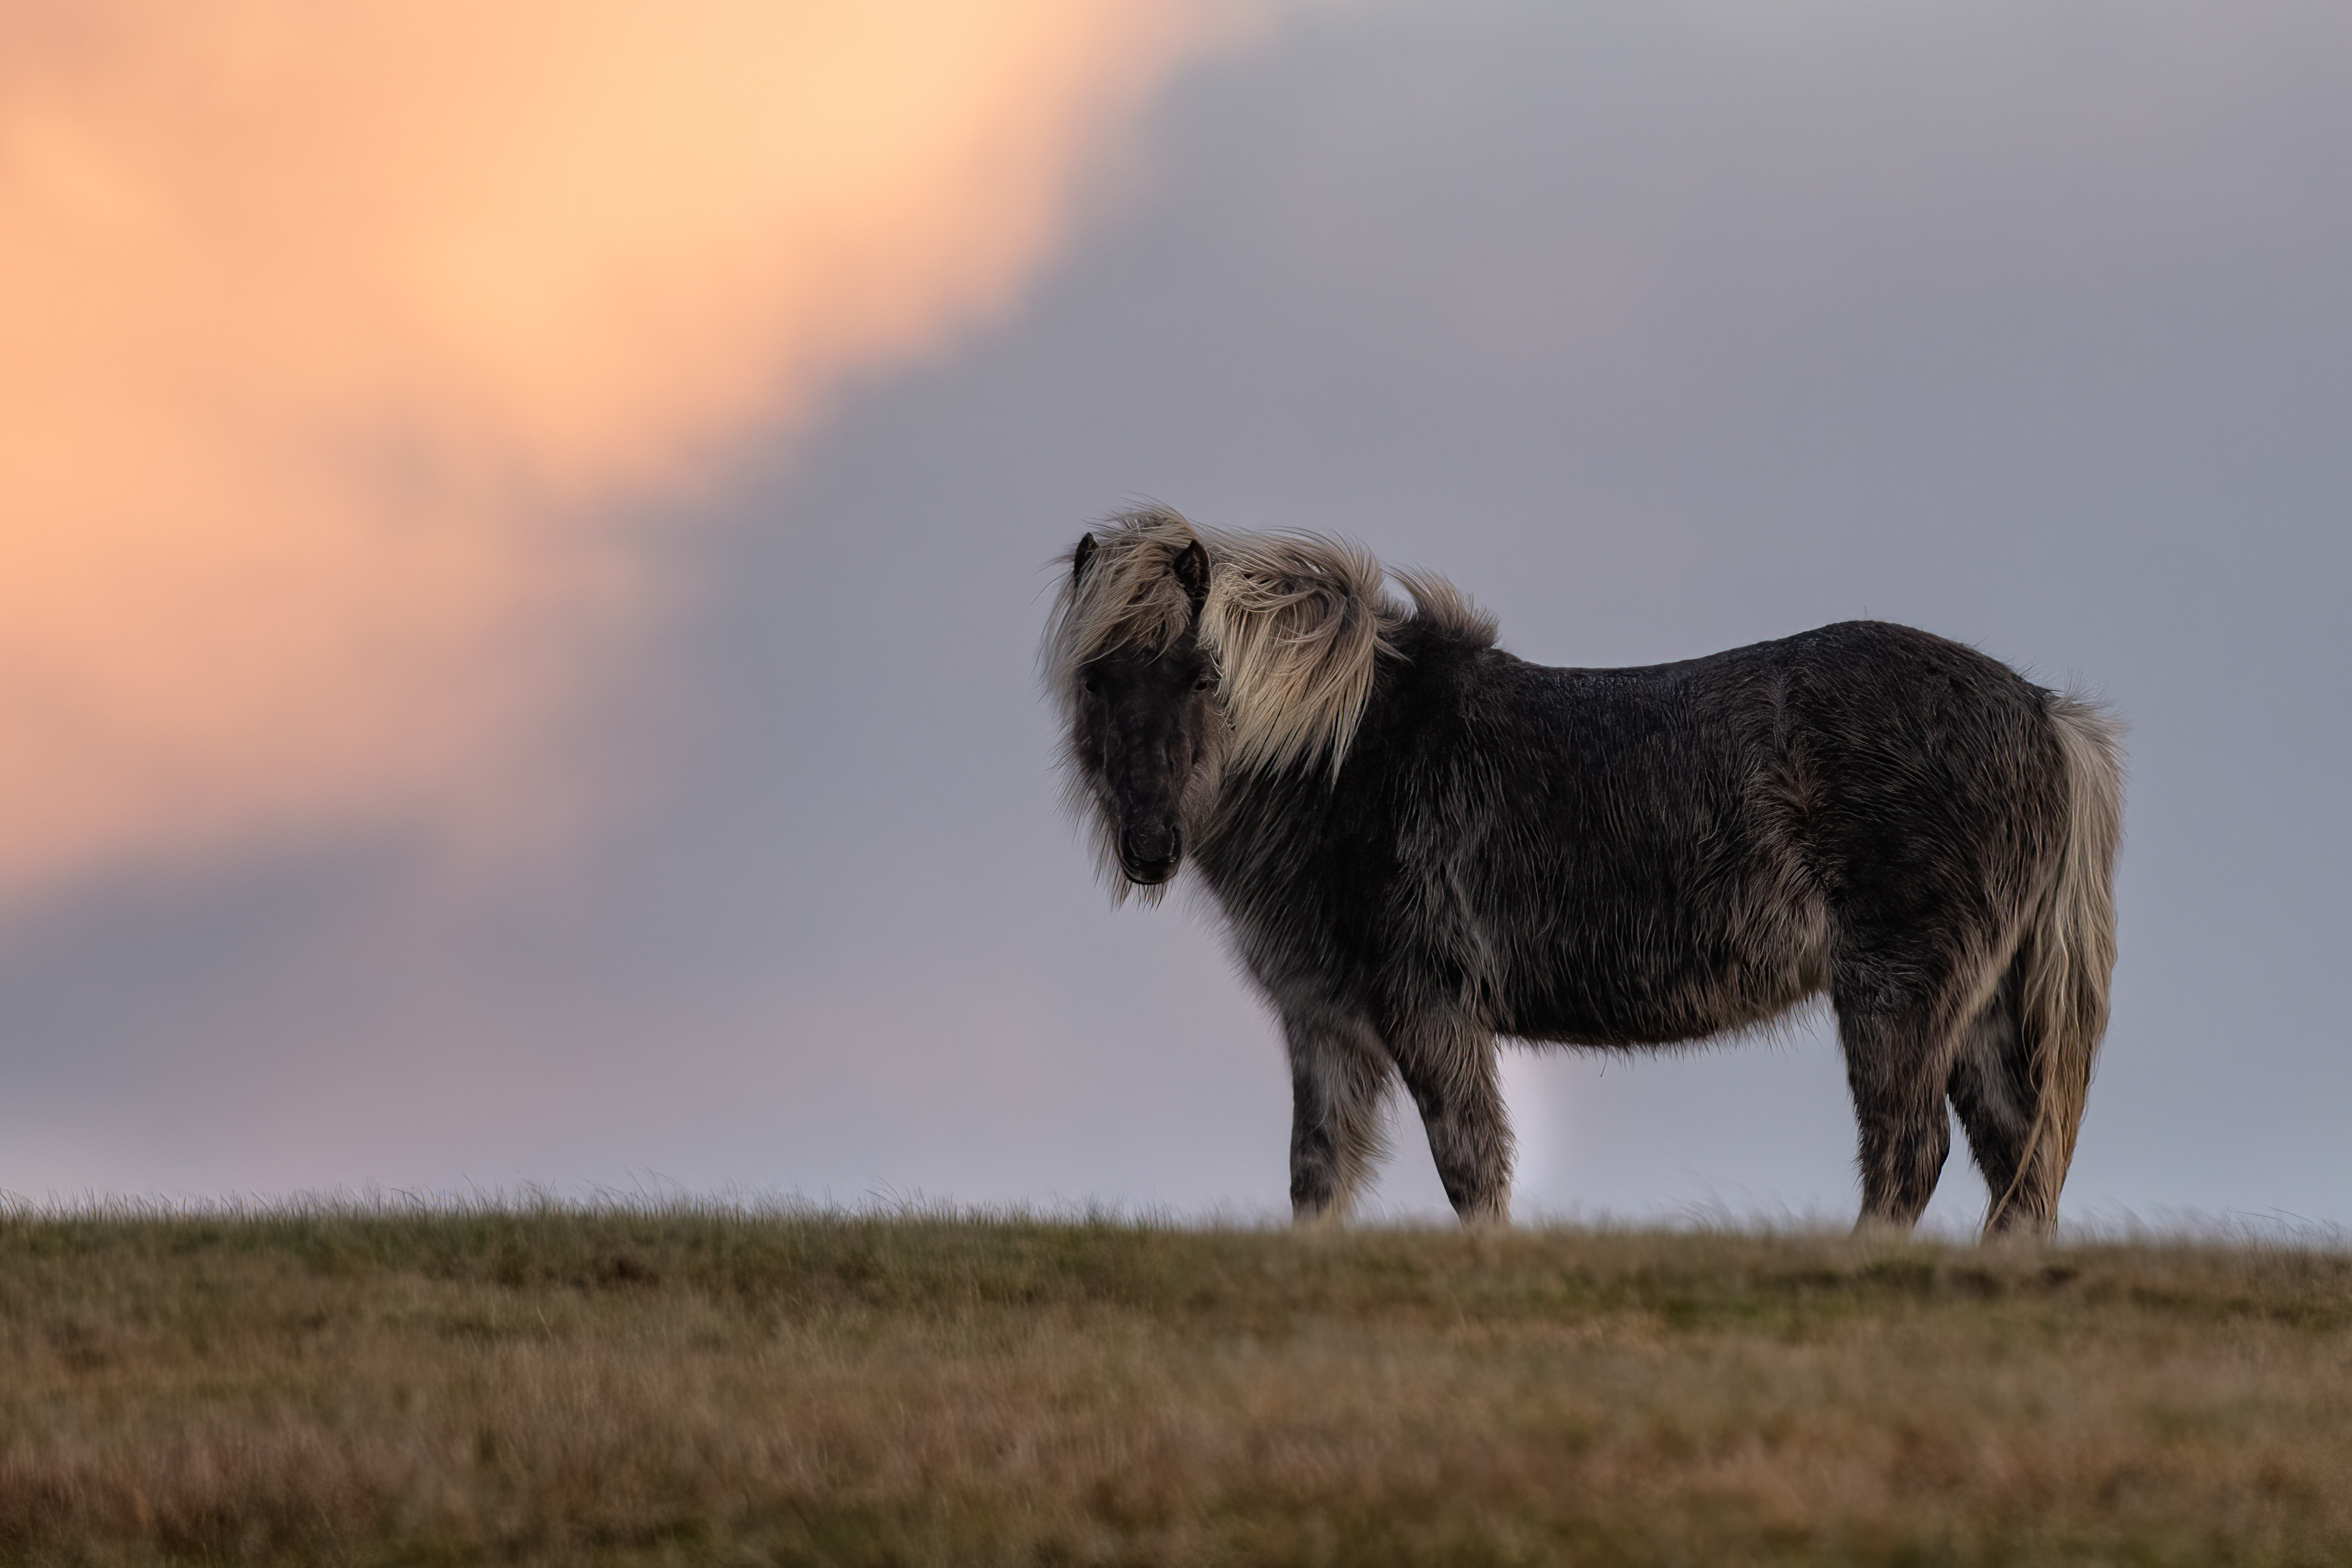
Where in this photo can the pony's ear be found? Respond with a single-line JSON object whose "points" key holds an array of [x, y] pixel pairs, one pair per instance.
{"points": [[1192, 570], [1080, 556]]}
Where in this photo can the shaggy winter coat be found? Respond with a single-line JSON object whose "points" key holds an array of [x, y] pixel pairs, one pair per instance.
{"points": [[1420, 842]]}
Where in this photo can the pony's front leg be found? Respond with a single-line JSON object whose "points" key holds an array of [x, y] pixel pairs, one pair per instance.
{"points": [[1452, 1072], [1339, 1078]]}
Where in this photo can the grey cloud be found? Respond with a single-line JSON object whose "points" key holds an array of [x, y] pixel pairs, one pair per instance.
{"points": [[1659, 328]]}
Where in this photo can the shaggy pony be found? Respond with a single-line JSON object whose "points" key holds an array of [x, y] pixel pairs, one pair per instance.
{"points": [[1419, 842]]}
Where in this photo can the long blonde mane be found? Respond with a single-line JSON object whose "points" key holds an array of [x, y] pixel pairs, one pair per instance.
{"points": [[1298, 623], [1128, 596]]}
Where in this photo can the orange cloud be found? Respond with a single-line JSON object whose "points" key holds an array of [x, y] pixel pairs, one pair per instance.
{"points": [[327, 333]]}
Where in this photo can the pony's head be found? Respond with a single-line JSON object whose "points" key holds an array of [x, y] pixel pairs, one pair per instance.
{"points": [[1183, 658], [1145, 727]]}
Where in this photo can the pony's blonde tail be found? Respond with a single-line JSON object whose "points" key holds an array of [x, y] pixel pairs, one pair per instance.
{"points": [[2066, 957]]}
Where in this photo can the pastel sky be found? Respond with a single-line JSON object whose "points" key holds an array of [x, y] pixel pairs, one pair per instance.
{"points": [[522, 542]]}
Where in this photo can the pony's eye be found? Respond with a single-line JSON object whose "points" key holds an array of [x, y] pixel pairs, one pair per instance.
{"points": [[1204, 683], [1093, 690]]}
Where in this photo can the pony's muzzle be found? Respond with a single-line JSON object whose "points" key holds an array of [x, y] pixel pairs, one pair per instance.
{"points": [[1149, 854]]}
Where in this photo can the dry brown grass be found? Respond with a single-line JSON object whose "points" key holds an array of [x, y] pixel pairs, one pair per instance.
{"points": [[692, 1384]]}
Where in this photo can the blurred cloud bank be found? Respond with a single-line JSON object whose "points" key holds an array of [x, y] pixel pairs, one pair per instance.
{"points": [[1660, 326], [335, 333]]}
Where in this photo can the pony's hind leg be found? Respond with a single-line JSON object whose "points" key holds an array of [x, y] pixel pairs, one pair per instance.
{"points": [[1992, 1089], [1898, 1046], [1339, 1081], [1451, 1071]]}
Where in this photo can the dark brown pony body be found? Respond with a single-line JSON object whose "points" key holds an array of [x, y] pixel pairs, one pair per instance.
{"points": [[1420, 842]]}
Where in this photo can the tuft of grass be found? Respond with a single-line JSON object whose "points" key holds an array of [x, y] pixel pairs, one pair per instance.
{"points": [[659, 1381]]}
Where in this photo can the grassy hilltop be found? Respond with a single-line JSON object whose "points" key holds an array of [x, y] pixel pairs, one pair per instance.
{"points": [[687, 1385]]}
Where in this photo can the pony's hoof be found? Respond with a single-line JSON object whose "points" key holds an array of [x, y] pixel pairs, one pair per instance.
{"points": [[1488, 1219], [1875, 1231]]}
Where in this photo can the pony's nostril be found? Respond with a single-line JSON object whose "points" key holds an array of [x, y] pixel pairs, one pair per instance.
{"points": [[1150, 844], [1149, 852]]}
